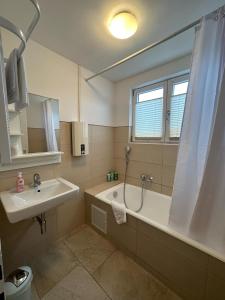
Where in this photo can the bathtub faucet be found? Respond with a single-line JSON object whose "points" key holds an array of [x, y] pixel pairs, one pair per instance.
{"points": [[146, 178]]}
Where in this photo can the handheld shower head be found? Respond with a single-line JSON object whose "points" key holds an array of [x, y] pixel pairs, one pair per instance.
{"points": [[127, 149], [127, 152]]}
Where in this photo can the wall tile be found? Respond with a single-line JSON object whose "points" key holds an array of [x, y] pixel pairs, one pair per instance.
{"points": [[119, 151], [136, 168], [215, 288], [168, 173], [191, 253], [150, 186], [102, 134], [167, 190], [65, 133], [68, 216], [182, 275], [158, 160], [217, 267], [122, 134], [170, 155], [149, 153], [124, 235]]}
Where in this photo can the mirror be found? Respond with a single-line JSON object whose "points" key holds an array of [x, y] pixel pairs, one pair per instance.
{"points": [[36, 128]]}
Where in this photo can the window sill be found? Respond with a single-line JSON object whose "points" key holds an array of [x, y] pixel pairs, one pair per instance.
{"points": [[175, 143]]}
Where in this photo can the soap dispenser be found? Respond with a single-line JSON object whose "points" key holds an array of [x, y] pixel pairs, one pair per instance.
{"points": [[19, 183]]}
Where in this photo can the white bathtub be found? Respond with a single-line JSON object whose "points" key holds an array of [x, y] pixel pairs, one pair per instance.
{"points": [[155, 212], [155, 207]]}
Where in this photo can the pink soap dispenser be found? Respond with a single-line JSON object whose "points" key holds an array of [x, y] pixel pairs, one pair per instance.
{"points": [[19, 183]]}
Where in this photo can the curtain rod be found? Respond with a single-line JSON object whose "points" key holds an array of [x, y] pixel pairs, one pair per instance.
{"points": [[153, 45]]}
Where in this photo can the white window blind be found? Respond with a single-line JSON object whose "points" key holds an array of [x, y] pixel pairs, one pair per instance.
{"points": [[149, 104], [149, 114]]}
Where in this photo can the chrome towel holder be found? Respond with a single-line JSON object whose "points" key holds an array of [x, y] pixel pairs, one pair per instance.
{"points": [[5, 23]]}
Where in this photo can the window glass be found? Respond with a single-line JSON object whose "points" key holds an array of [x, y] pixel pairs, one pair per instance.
{"points": [[150, 95], [150, 122], [177, 104]]}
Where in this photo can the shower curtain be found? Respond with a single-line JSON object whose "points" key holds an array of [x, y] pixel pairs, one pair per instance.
{"points": [[49, 126], [198, 200]]}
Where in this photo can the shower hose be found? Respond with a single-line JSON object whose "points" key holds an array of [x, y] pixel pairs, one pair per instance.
{"points": [[124, 189]]}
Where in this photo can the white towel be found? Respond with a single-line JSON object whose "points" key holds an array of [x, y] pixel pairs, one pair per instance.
{"points": [[119, 211], [16, 81]]}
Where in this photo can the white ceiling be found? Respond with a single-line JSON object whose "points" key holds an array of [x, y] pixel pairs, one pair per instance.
{"points": [[77, 30]]}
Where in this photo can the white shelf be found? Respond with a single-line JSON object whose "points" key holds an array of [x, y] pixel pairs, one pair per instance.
{"points": [[37, 154], [32, 159], [13, 111], [15, 134]]}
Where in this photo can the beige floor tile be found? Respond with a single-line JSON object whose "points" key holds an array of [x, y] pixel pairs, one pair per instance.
{"points": [[51, 267], [172, 296], [77, 285], [59, 293], [123, 279], [34, 293], [90, 248]]}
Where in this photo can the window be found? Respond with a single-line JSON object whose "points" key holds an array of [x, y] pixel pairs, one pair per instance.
{"points": [[158, 110]]}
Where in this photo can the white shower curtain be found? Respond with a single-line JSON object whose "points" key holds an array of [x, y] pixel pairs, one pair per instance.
{"points": [[198, 200], [49, 126]]}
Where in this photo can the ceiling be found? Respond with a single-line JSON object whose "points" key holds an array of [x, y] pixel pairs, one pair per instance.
{"points": [[77, 30]]}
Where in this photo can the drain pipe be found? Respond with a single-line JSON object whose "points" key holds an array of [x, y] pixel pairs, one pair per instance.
{"points": [[42, 222]]}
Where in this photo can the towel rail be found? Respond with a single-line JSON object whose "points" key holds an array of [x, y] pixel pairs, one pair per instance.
{"points": [[31, 26], [14, 29]]}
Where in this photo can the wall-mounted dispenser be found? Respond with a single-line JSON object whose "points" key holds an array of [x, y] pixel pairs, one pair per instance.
{"points": [[80, 138]]}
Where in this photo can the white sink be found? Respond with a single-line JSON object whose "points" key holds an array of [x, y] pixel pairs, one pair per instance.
{"points": [[30, 203]]}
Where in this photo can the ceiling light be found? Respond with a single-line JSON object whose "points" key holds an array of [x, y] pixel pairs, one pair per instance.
{"points": [[123, 25]]}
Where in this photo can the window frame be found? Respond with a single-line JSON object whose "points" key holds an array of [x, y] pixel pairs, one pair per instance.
{"points": [[167, 85]]}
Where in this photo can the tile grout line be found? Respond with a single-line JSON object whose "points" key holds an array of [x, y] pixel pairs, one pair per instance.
{"points": [[92, 275], [58, 281]]}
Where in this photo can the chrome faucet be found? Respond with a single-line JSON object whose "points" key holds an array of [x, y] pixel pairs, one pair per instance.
{"points": [[146, 178], [37, 181]]}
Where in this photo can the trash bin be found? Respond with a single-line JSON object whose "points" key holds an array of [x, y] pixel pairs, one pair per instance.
{"points": [[18, 284]]}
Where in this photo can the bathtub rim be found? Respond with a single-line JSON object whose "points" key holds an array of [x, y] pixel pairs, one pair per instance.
{"points": [[166, 229]]}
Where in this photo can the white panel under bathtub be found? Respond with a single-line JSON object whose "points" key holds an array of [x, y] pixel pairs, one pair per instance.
{"points": [[99, 218]]}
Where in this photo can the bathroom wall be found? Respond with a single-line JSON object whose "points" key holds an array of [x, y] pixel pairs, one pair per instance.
{"points": [[22, 241], [97, 99], [50, 74], [158, 160], [53, 76]]}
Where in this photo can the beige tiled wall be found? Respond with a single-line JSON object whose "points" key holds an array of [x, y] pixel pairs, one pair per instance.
{"points": [[153, 159], [22, 240]]}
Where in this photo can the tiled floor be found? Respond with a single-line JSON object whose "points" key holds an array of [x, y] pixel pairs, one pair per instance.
{"points": [[86, 266]]}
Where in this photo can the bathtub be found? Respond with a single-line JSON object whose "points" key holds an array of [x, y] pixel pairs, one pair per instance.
{"points": [[155, 206], [155, 212]]}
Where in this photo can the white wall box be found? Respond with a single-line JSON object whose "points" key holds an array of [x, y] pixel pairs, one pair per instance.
{"points": [[80, 138]]}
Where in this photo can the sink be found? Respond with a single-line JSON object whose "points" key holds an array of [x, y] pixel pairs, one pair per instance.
{"points": [[30, 203]]}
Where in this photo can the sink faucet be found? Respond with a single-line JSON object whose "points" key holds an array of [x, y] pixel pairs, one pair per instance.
{"points": [[37, 181]]}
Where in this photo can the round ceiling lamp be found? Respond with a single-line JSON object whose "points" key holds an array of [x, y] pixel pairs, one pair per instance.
{"points": [[123, 25]]}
